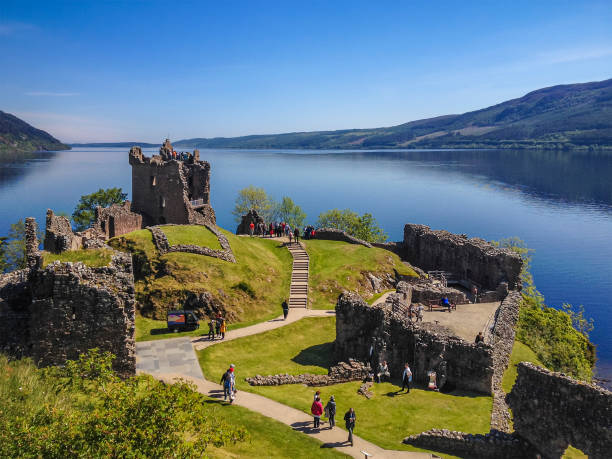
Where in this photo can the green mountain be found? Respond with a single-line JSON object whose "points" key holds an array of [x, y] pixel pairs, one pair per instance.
{"points": [[577, 116], [17, 136]]}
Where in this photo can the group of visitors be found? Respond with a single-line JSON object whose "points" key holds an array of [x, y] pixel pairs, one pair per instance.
{"points": [[383, 372], [228, 381], [309, 232], [216, 327], [415, 311], [317, 411], [277, 229], [180, 155]]}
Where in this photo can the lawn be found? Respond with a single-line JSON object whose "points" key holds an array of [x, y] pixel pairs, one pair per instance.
{"points": [[250, 290], [336, 266], [91, 257], [191, 235], [269, 438], [306, 347]]}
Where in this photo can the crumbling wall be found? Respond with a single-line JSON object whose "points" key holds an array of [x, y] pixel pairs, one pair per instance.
{"points": [[552, 411], [250, 217], [376, 333], [58, 234], [473, 259], [117, 219], [333, 234], [170, 190], [56, 313]]}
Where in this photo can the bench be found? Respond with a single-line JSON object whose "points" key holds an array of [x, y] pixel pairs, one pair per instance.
{"points": [[436, 304]]}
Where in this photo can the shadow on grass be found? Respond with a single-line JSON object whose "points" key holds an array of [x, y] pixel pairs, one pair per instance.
{"points": [[320, 355], [161, 331]]}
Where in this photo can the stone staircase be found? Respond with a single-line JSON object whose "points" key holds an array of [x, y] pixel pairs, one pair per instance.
{"points": [[298, 292]]}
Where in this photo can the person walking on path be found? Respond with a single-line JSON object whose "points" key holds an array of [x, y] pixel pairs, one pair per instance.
{"points": [[211, 329], [227, 383], [349, 419], [223, 329], [317, 410], [290, 234], [330, 412], [296, 233], [406, 378], [285, 309], [251, 228]]}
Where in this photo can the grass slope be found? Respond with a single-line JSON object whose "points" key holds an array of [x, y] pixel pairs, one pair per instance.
{"points": [[250, 290], [306, 347], [336, 266], [191, 235], [90, 257]]}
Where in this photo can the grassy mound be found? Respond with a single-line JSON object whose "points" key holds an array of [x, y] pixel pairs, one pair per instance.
{"points": [[191, 235], [336, 266], [251, 289], [306, 347], [91, 257]]}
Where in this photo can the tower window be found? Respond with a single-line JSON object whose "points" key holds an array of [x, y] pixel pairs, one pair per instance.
{"points": [[153, 180]]}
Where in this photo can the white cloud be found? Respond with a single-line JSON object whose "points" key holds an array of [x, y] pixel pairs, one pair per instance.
{"points": [[52, 94]]}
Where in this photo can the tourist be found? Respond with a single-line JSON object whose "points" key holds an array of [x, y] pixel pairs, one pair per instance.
{"points": [[406, 378], [251, 228], [475, 293], [218, 321], [271, 229], [410, 312], [419, 313], [290, 234], [226, 382], [285, 309], [317, 395], [223, 329], [287, 230], [317, 410], [349, 419], [330, 412], [211, 329], [296, 233], [479, 338], [383, 370], [445, 303]]}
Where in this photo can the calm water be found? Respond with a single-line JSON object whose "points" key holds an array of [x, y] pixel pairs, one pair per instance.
{"points": [[559, 203]]}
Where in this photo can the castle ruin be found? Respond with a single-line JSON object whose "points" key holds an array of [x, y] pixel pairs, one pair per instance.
{"points": [[170, 187]]}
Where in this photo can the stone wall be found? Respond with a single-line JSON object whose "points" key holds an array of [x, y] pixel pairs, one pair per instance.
{"points": [[65, 309], [169, 190], [117, 219], [250, 217], [493, 445], [340, 373], [333, 234], [58, 234], [474, 260], [552, 411], [163, 245], [389, 336]]}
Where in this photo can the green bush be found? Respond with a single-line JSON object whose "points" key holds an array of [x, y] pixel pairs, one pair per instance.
{"points": [[363, 227], [246, 288]]}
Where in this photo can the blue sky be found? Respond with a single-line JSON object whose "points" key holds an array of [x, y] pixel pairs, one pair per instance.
{"points": [[139, 70]]}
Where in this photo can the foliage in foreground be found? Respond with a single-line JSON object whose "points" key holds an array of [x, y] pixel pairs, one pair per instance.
{"points": [[84, 410], [559, 338], [363, 226], [85, 211]]}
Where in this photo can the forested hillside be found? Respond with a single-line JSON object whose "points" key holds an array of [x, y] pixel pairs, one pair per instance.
{"points": [[18, 136]]}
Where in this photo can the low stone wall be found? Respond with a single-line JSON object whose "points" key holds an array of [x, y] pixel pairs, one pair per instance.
{"points": [[376, 333], [493, 445], [340, 373], [333, 234], [552, 411], [163, 246], [501, 338], [423, 292], [473, 259]]}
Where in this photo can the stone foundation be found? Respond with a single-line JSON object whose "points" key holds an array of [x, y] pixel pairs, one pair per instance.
{"points": [[552, 411], [163, 246]]}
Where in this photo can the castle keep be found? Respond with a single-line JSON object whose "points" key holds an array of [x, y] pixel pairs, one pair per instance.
{"points": [[171, 188]]}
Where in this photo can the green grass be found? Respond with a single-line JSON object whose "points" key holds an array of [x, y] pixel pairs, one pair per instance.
{"points": [[336, 266], [376, 296], [520, 353], [91, 257], [269, 438], [191, 235], [250, 290], [306, 347]]}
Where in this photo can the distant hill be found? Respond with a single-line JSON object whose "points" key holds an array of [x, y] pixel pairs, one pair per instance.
{"points": [[566, 116], [116, 144], [18, 136]]}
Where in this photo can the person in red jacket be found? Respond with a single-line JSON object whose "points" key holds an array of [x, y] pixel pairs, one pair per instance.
{"points": [[251, 228], [317, 410]]}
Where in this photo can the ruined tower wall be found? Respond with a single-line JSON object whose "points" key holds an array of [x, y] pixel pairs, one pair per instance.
{"points": [[117, 219], [552, 411], [468, 259]]}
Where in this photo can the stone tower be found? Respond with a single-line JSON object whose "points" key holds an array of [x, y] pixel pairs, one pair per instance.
{"points": [[169, 188]]}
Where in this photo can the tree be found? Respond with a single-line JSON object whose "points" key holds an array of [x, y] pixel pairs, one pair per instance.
{"points": [[13, 247], [364, 226], [289, 212], [3, 247], [253, 198], [85, 211]]}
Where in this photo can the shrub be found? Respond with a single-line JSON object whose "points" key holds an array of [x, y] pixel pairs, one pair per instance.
{"points": [[246, 288], [363, 226]]}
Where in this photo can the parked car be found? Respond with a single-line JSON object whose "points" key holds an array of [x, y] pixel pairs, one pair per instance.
{"points": [[182, 320]]}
